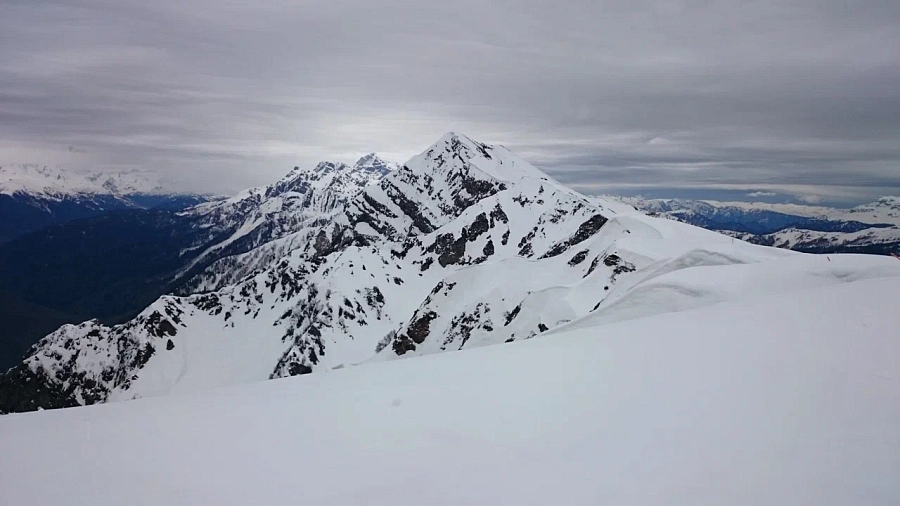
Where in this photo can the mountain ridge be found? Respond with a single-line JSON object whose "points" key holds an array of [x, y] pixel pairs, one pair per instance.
{"points": [[465, 245], [72, 271], [57, 182], [299, 291]]}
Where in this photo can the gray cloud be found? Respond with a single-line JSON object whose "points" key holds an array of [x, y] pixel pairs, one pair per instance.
{"points": [[765, 95]]}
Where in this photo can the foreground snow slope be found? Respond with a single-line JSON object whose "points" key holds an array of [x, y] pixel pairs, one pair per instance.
{"points": [[784, 399]]}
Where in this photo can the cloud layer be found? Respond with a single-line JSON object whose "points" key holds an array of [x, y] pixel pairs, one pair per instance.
{"points": [[764, 95]]}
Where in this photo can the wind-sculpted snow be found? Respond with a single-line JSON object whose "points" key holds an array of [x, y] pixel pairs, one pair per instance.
{"points": [[704, 278], [463, 246]]}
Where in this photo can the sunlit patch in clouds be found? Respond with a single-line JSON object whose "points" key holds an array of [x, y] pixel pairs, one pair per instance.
{"points": [[763, 94], [811, 199]]}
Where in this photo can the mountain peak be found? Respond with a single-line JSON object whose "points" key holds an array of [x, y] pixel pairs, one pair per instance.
{"points": [[458, 152], [128, 182], [334, 175], [373, 163], [460, 143], [367, 167], [456, 137]]}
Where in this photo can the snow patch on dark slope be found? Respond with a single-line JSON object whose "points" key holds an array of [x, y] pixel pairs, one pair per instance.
{"points": [[463, 246]]}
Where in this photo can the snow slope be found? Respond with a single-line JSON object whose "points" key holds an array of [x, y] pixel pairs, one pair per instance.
{"points": [[787, 398]]}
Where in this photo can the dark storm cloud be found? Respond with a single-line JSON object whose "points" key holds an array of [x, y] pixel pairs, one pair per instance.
{"points": [[798, 95]]}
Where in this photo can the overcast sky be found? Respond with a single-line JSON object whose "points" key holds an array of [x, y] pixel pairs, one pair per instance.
{"points": [[763, 96]]}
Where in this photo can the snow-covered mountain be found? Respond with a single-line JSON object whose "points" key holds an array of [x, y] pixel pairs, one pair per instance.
{"points": [[33, 197], [111, 266], [870, 228], [264, 224], [465, 245]]}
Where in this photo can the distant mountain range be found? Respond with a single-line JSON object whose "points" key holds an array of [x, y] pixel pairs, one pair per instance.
{"points": [[33, 197], [871, 228]]}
